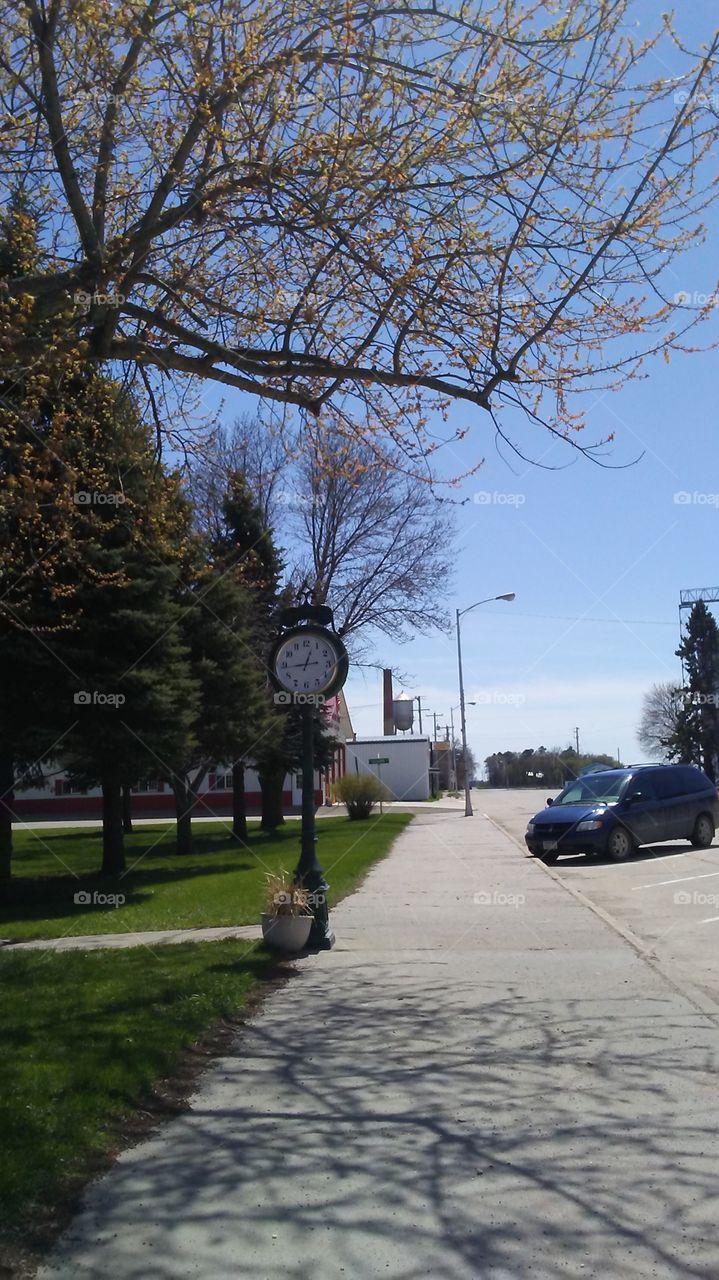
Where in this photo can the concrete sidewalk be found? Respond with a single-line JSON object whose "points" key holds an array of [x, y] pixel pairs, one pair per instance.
{"points": [[144, 938], [482, 1080]]}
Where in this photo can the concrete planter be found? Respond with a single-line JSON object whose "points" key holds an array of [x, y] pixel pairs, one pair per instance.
{"points": [[286, 933]]}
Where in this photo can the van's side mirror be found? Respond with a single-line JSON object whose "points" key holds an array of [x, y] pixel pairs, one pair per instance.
{"points": [[550, 800]]}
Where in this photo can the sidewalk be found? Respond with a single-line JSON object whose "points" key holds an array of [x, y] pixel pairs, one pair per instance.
{"points": [[482, 1081], [446, 804], [145, 938]]}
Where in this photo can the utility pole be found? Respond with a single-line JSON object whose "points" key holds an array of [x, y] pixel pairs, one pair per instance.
{"points": [[509, 595], [576, 738]]}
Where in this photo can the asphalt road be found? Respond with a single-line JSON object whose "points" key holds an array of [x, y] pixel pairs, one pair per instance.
{"points": [[664, 900]]}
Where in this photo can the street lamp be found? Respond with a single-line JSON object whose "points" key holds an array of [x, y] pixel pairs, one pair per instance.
{"points": [[454, 749], [508, 595]]}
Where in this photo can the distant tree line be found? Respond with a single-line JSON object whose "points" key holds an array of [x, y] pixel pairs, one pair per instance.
{"points": [[540, 767]]}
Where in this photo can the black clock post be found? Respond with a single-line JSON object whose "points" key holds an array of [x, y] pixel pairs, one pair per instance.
{"points": [[315, 620], [308, 871]]}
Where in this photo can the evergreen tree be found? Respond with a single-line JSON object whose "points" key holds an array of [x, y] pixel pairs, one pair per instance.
{"points": [[243, 548], [37, 564], [136, 703], [218, 625], [696, 739]]}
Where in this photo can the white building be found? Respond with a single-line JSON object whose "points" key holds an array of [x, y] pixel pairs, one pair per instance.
{"points": [[407, 773]]}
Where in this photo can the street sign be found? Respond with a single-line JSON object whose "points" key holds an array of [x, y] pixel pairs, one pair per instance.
{"points": [[378, 760]]}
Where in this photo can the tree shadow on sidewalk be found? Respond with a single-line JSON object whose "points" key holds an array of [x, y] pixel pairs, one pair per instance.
{"points": [[431, 1129]]}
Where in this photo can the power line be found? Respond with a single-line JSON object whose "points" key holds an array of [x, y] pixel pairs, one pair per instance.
{"points": [[626, 622]]}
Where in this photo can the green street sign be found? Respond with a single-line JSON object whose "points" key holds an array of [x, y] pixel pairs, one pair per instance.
{"points": [[379, 760]]}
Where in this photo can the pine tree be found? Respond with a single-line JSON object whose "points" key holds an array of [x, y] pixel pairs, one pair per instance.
{"points": [[134, 696], [218, 625], [243, 548], [697, 735], [37, 571]]}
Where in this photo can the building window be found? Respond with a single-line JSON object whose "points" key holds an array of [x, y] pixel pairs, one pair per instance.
{"points": [[223, 782], [153, 784], [65, 788]]}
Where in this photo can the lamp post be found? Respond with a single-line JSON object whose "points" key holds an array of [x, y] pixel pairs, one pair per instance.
{"points": [[454, 749], [508, 595]]}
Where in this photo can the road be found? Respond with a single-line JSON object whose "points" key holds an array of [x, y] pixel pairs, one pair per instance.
{"points": [[664, 900]]}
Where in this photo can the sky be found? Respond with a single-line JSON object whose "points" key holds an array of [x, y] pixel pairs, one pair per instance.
{"points": [[597, 557]]}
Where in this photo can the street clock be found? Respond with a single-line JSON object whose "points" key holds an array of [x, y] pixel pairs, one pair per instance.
{"points": [[309, 660]]}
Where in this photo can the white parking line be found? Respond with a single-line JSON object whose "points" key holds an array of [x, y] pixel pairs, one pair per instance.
{"points": [[661, 857], [709, 920], [656, 884]]}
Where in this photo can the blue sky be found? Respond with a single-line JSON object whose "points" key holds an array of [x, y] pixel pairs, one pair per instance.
{"points": [[596, 557]]}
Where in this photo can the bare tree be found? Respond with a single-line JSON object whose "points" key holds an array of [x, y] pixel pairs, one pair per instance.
{"points": [[662, 715], [261, 449], [360, 210], [357, 533], [378, 543]]}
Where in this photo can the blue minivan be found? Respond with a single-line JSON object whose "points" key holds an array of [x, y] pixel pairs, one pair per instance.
{"points": [[610, 813]]}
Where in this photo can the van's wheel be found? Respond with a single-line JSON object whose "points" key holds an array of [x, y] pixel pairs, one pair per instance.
{"points": [[703, 832], [620, 844]]}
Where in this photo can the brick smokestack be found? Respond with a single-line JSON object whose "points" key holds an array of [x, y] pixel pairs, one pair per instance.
{"points": [[388, 702]]}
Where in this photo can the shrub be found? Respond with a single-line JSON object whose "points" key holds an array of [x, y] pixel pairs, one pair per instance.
{"points": [[361, 792]]}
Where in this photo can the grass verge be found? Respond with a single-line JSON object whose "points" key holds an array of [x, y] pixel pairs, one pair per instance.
{"points": [[94, 1039], [220, 883]]}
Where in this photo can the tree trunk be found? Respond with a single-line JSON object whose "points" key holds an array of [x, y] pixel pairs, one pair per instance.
{"points": [[7, 800], [239, 806], [271, 785], [127, 810], [113, 844], [183, 813]]}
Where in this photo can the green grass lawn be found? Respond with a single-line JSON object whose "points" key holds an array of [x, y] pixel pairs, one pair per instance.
{"points": [[219, 884], [86, 1035]]}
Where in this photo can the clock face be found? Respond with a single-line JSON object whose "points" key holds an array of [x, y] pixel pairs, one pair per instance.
{"points": [[307, 661]]}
